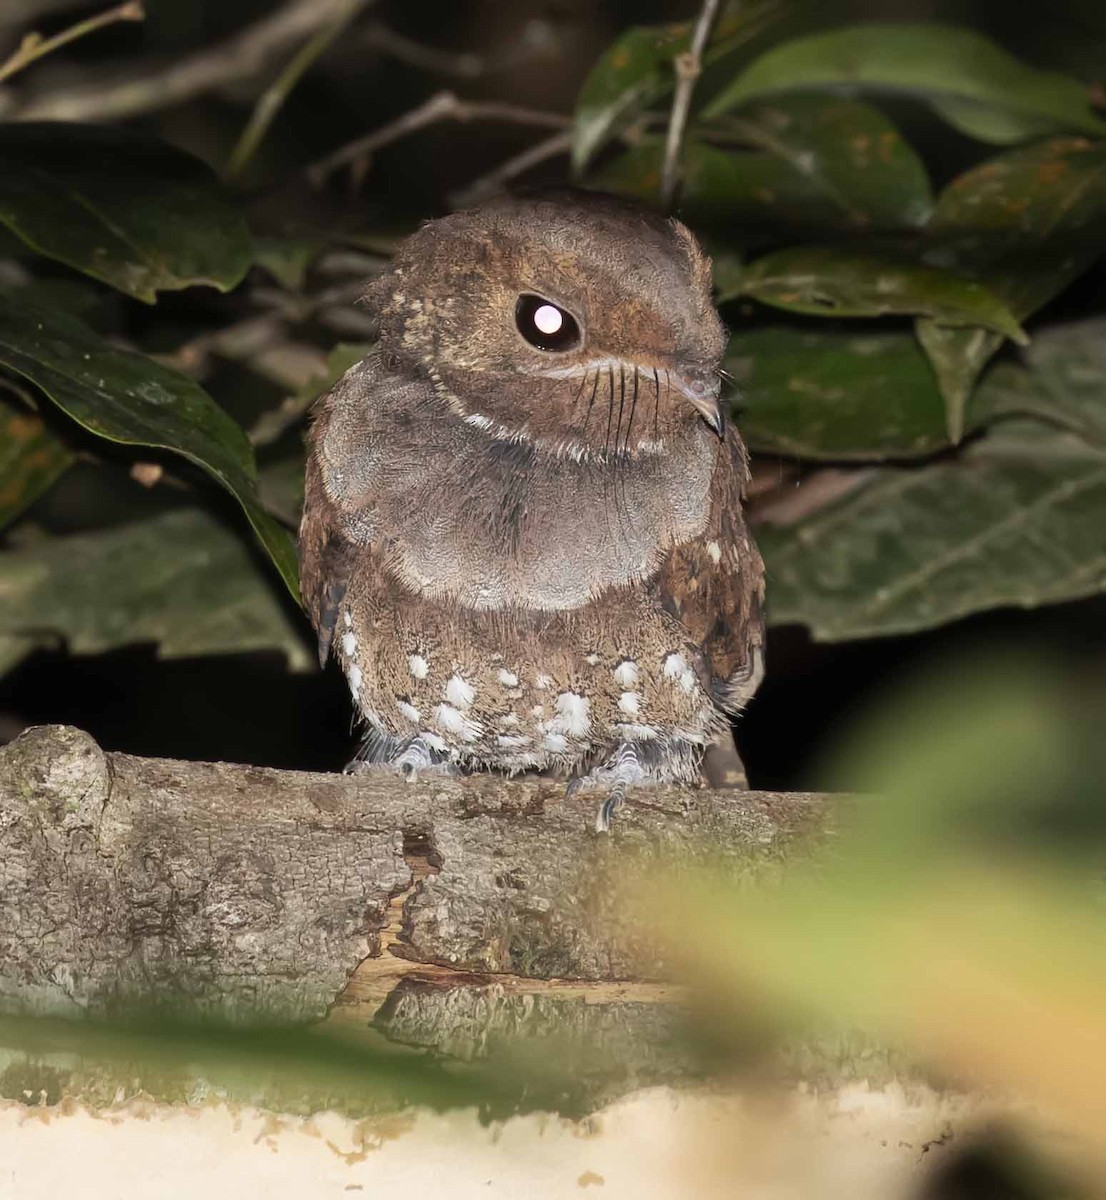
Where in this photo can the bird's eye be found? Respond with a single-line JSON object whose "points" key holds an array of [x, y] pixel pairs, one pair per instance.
{"points": [[546, 325]]}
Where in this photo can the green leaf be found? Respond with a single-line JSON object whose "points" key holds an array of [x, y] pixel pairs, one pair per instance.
{"points": [[1062, 382], [31, 460], [130, 399], [827, 281], [1015, 519], [120, 206], [1026, 224], [287, 258], [638, 69], [963, 73], [181, 580], [835, 396], [815, 163]]}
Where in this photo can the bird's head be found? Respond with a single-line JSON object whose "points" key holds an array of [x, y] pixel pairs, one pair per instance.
{"points": [[570, 319]]}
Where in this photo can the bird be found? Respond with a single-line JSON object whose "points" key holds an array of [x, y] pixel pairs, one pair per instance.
{"points": [[522, 535]]}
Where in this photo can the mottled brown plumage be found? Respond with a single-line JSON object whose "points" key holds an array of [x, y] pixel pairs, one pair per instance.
{"points": [[522, 533]]}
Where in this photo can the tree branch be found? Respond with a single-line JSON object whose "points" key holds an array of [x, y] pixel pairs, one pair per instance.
{"points": [[688, 68], [247, 53], [272, 99], [442, 106], [487, 185], [34, 46], [243, 891]]}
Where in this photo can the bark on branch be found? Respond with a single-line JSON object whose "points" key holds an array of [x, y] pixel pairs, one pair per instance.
{"points": [[247, 891]]}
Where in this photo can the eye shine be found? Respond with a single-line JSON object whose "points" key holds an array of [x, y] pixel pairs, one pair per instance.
{"points": [[545, 325]]}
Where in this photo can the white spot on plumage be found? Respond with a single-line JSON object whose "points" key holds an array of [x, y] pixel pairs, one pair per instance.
{"points": [[511, 741], [418, 665], [454, 721], [409, 711], [507, 678], [626, 673], [572, 714], [538, 710], [592, 660], [543, 681], [715, 552], [348, 619], [509, 719], [459, 692], [479, 420], [434, 742], [675, 667], [630, 703], [354, 677], [349, 645], [555, 742]]}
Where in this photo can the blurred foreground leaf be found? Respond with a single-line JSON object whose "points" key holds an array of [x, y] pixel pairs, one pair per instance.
{"points": [[1016, 519], [181, 580], [130, 399], [638, 69], [973, 83], [31, 460], [829, 281], [835, 395], [1026, 224], [279, 1068], [812, 162], [120, 206], [948, 917]]}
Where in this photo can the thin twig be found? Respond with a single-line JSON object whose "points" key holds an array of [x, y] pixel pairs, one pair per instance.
{"points": [[487, 185], [34, 46], [272, 99], [689, 66], [242, 56], [442, 106]]}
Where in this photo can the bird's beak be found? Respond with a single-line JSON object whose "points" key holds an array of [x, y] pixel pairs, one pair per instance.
{"points": [[701, 385]]}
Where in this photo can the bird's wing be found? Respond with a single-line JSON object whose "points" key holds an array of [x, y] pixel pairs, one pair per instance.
{"points": [[714, 585], [327, 556]]}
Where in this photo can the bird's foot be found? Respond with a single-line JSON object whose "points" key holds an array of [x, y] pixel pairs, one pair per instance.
{"points": [[632, 765], [409, 757]]}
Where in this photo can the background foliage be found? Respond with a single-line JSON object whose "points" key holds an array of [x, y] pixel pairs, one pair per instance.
{"points": [[906, 218]]}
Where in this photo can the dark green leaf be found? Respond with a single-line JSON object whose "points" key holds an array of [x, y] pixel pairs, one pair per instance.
{"points": [[181, 580], [130, 399], [964, 74], [1016, 519], [832, 282], [1063, 382], [287, 259], [1026, 224], [835, 396], [638, 69], [815, 163], [31, 460], [120, 206]]}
